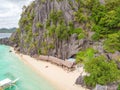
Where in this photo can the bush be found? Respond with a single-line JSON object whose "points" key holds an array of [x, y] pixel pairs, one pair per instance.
{"points": [[88, 54], [113, 41], [39, 25], [101, 71], [118, 87]]}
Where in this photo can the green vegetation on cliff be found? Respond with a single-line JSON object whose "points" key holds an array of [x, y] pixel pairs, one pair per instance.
{"points": [[104, 21], [87, 54], [101, 71]]}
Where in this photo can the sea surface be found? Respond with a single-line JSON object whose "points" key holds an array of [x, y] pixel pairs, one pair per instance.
{"points": [[12, 67], [5, 35]]}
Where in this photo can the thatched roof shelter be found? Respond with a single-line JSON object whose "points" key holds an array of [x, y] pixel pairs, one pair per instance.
{"points": [[36, 56], [44, 58], [68, 64], [55, 60]]}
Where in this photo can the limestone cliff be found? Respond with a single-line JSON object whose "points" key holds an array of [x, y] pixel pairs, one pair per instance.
{"points": [[64, 28], [58, 28], [45, 28]]}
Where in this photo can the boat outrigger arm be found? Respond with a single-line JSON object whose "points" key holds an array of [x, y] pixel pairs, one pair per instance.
{"points": [[7, 82]]}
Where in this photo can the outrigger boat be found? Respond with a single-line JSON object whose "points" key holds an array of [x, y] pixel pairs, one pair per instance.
{"points": [[7, 83]]}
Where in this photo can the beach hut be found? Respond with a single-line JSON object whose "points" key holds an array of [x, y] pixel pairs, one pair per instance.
{"points": [[44, 58], [55, 60], [65, 64], [68, 64], [36, 56]]}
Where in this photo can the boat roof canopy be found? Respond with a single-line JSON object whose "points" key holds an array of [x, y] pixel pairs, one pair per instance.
{"points": [[5, 81]]}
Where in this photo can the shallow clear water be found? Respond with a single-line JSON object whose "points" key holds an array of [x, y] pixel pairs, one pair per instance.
{"points": [[29, 80], [5, 35]]}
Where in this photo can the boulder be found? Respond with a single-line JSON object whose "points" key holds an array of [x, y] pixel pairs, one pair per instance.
{"points": [[100, 87], [80, 80], [112, 87], [114, 56], [44, 58], [68, 64]]}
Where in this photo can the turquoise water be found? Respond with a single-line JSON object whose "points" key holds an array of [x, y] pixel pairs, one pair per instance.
{"points": [[29, 80]]}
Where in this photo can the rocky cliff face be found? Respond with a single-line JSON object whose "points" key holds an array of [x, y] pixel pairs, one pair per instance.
{"points": [[45, 28], [50, 27]]}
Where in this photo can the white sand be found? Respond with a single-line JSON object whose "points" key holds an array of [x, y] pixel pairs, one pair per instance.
{"points": [[60, 78]]}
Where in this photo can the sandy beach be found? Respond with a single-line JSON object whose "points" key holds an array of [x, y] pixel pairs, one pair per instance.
{"points": [[63, 80]]}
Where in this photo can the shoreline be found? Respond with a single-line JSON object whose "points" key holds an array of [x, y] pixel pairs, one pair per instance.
{"points": [[58, 77]]}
